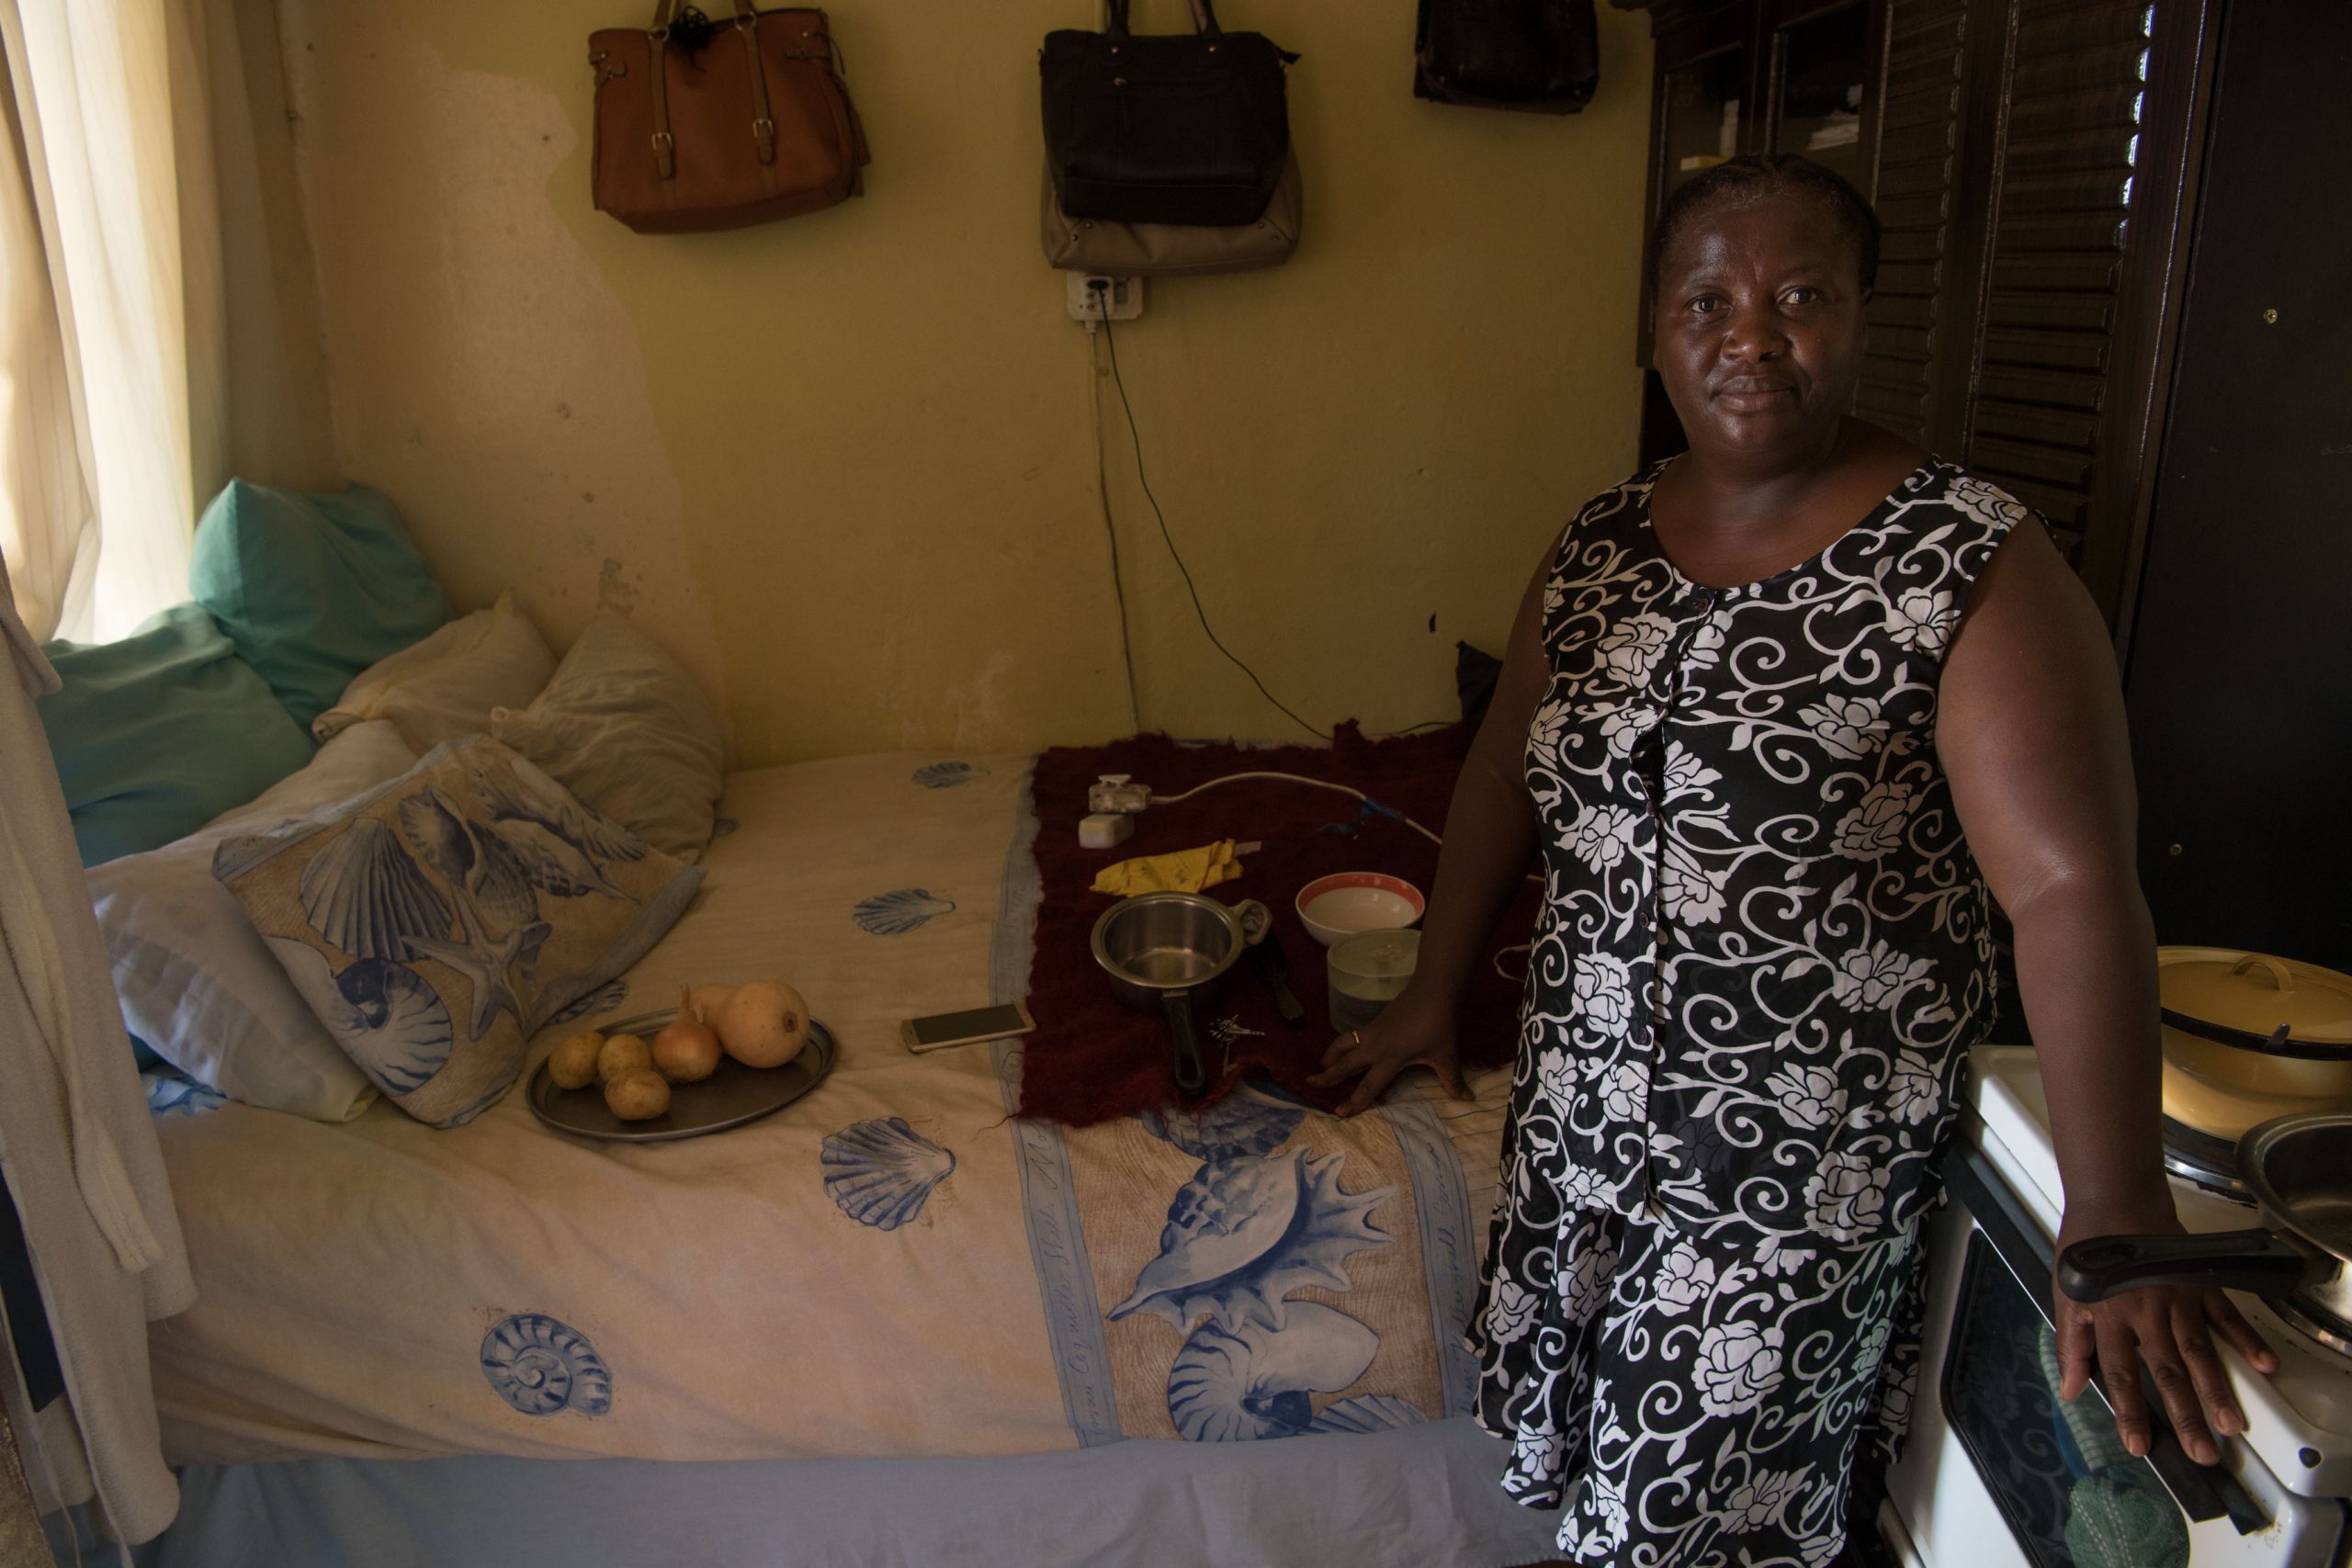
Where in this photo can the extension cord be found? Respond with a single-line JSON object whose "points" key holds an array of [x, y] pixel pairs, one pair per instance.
{"points": [[1117, 793]]}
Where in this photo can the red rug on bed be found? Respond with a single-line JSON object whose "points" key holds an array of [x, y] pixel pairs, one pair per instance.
{"points": [[1090, 1059]]}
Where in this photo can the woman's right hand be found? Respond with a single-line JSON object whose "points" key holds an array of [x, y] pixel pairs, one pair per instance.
{"points": [[1409, 1032]]}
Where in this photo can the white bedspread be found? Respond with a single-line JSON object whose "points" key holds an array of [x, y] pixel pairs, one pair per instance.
{"points": [[382, 1289]]}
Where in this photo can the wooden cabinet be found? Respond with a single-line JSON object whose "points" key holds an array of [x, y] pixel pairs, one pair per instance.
{"points": [[2030, 161], [2238, 683]]}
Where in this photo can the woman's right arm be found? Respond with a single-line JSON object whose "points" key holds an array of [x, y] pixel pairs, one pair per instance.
{"points": [[1490, 838]]}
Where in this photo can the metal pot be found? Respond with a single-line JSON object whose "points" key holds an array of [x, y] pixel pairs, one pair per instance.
{"points": [[2249, 1038], [2300, 1172], [1163, 951]]}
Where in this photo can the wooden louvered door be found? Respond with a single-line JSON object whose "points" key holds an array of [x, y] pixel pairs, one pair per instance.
{"points": [[2069, 92], [2030, 169], [1916, 320]]}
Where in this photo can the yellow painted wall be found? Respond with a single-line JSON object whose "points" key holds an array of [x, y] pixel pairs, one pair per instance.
{"points": [[845, 464]]}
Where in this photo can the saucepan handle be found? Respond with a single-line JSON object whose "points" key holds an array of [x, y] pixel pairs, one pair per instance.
{"points": [[1192, 1078], [2257, 1260]]}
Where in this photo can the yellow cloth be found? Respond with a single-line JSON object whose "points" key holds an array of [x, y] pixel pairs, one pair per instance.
{"points": [[1178, 871]]}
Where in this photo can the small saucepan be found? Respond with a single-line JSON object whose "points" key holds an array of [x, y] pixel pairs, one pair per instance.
{"points": [[2300, 1170], [1164, 951]]}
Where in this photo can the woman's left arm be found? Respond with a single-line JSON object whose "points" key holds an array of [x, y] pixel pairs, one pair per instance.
{"points": [[2030, 731]]}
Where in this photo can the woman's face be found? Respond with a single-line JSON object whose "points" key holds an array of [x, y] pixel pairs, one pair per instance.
{"points": [[1759, 327]]}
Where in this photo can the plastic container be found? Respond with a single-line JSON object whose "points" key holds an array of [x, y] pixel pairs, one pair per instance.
{"points": [[1367, 972]]}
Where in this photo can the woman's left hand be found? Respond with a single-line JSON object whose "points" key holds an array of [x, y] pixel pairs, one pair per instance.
{"points": [[2170, 1327]]}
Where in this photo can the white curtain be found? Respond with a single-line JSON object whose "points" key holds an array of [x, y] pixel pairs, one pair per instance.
{"points": [[173, 297], [77, 1149], [49, 531]]}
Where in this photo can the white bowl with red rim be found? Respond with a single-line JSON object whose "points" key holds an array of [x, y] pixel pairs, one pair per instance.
{"points": [[1345, 903]]}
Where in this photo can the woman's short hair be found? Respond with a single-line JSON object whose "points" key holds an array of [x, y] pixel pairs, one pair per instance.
{"points": [[1755, 176]]}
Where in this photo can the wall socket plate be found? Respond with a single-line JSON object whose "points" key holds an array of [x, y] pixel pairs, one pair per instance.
{"points": [[1124, 296]]}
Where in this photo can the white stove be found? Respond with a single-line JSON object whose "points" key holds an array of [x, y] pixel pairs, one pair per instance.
{"points": [[1995, 1475]]}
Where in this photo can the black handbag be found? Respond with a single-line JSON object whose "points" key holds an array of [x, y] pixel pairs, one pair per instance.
{"points": [[1537, 55], [1189, 128]]}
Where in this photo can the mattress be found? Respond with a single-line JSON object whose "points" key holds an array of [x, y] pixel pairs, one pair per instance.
{"points": [[890, 1267]]}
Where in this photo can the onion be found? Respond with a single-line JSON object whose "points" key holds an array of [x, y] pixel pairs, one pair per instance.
{"points": [[704, 1002], [685, 1051], [763, 1025]]}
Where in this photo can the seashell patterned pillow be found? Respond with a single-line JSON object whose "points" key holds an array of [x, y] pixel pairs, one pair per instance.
{"points": [[436, 922]]}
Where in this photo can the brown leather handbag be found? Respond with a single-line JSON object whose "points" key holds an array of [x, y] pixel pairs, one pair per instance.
{"points": [[703, 125]]}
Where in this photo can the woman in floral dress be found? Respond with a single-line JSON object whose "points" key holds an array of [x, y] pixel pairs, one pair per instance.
{"points": [[1779, 719]]}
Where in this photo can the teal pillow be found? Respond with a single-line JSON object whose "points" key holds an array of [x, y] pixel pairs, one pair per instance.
{"points": [[313, 589], [158, 734]]}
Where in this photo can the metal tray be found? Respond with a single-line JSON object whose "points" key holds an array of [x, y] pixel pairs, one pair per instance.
{"points": [[730, 1097]]}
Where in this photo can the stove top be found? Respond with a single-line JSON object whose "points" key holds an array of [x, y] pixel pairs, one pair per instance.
{"points": [[2299, 1418], [2205, 1160]]}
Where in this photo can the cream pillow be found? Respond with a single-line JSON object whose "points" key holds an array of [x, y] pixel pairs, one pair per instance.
{"points": [[198, 985], [624, 727], [447, 685]]}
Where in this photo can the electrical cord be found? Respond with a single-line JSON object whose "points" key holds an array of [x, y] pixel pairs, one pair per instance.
{"points": [[1102, 311], [1301, 778], [1370, 805], [1100, 322], [1110, 532], [1135, 434], [1526, 947]]}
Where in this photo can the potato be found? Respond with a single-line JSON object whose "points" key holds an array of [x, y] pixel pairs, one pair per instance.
{"points": [[637, 1094], [573, 1064], [621, 1053]]}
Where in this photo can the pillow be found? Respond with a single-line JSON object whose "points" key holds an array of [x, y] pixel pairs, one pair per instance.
{"points": [[445, 686], [156, 735], [435, 923], [624, 727], [313, 589], [197, 986]]}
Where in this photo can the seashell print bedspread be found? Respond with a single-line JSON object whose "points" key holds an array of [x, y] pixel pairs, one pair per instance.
{"points": [[890, 1265]]}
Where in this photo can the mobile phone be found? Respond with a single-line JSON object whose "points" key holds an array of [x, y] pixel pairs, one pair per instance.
{"points": [[944, 1029]]}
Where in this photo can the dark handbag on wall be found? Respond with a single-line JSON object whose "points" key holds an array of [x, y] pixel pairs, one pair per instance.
{"points": [[703, 125], [1539, 55], [1182, 128]]}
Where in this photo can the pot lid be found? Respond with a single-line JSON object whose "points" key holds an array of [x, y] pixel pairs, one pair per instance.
{"points": [[2254, 994]]}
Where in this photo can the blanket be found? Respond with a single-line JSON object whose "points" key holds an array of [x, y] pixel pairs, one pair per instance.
{"points": [[1090, 1060], [892, 1265]]}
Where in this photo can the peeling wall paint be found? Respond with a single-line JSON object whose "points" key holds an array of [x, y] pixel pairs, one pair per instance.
{"points": [[845, 464], [485, 375]]}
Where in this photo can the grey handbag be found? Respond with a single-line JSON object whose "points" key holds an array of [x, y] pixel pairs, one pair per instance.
{"points": [[1125, 250]]}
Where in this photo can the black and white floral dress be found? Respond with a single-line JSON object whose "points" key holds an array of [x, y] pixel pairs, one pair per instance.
{"points": [[1762, 955]]}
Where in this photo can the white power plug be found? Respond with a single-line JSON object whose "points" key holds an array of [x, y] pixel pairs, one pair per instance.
{"points": [[1106, 830], [1095, 297]]}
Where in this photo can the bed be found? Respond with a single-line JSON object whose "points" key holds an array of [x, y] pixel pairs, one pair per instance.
{"points": [[888, 1323]]}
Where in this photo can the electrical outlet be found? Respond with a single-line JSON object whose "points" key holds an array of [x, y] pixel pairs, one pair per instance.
{"points": [[1089, 291]]}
